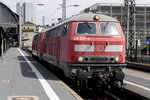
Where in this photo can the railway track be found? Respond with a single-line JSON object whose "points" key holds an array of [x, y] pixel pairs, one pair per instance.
{"points": [[140, 66], [114, 94]]}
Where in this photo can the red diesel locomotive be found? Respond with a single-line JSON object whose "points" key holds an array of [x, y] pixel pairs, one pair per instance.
{"points": [[85, 47]]}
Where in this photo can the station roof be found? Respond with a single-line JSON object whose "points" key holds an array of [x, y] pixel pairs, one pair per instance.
{"points": [[7, 17]]}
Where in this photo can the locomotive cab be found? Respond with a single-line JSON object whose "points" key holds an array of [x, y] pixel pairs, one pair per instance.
{"points": [[98, 43]]}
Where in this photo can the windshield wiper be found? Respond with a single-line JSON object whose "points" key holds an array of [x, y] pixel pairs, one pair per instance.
{"points": [[88, 25], [105, 26]]}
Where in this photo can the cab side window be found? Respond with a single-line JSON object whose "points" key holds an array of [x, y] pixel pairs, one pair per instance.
{"points": [[60, 30], [36, 37], [65, 29], [55, 32], [48, 34]]}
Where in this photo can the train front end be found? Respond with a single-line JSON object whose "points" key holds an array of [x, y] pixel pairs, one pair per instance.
{"points": [[97, 51]]}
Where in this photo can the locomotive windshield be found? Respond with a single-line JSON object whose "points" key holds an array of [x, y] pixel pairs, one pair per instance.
{"points": [[108, 28], [86, 28]]}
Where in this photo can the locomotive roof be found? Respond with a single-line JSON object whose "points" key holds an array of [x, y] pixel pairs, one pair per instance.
{"points": [[85, 17], [90, 16]]}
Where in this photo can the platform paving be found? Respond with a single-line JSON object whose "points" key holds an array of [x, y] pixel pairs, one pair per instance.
{"points": [[18, 78], [137, 82]]}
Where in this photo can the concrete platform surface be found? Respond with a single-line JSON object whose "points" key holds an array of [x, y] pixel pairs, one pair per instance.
{"points": [[23, 77], [137, 82]]}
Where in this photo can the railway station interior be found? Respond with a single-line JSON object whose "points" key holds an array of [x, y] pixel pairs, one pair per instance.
{"points": [[27, 74], [9, 28]]}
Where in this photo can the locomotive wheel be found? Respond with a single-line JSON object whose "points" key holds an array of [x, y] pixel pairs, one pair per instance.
{"points": [[33, 56], [77, 85]]}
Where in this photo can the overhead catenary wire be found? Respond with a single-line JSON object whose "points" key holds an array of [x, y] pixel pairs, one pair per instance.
{"points": [[52, 14], [56, 11]]}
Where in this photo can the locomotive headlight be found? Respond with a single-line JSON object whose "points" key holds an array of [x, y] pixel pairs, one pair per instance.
{"points": [[80, 59], [96, 17], [117, 59]]}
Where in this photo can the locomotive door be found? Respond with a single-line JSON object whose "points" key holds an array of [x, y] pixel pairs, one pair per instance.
{"points": [[58, 48]]}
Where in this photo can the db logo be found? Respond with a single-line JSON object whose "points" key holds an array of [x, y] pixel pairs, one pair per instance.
{"points": [[99, 48]]}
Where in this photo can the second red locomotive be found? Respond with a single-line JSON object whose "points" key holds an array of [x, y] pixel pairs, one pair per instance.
{"points": [[85, 47]]}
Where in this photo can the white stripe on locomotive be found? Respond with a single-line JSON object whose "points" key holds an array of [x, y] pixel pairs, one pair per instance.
{"points": [[90, 48]]}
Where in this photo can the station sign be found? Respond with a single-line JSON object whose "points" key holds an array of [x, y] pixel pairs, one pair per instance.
{"points": [[147, 41]]}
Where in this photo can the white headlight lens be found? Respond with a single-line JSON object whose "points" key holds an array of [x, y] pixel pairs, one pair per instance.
{"points": [[80, 59], [117, 59]]}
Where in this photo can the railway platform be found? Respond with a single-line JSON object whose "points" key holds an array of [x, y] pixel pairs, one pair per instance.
{"points": [[137, 82], [138, 77], [22, 78], [142, 66]]}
